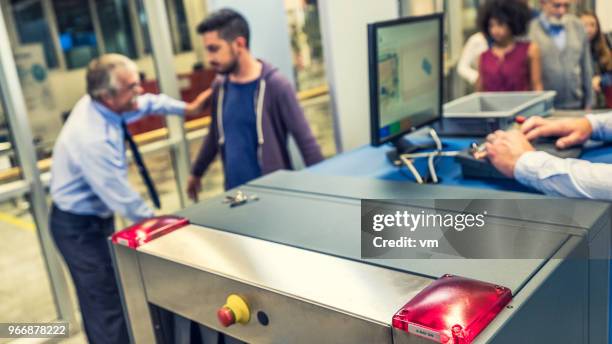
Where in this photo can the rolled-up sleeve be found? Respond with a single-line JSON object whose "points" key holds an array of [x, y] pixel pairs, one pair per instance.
{"points": [[160, 104], [106, 176], [564, 177], [602, 126]]}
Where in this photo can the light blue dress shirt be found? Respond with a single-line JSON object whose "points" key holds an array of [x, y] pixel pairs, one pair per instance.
{"points": [[89, 174], [569, 177]]}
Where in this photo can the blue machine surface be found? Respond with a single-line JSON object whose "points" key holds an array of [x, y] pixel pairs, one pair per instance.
{"points": [[371, 162]]}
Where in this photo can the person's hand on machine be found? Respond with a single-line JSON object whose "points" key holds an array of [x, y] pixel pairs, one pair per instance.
{"points": [[571, 132], [194, 186], [504, 148]]}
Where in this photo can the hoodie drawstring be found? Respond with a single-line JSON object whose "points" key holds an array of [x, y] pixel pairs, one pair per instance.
{"points": [[220, 115], [260, 137]]}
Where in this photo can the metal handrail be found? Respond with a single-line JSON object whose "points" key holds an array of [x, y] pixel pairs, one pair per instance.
{"points": [[19, 188], [149, 143]]}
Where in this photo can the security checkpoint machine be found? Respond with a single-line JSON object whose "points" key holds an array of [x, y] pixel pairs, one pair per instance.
{"points": [[283, 263]]}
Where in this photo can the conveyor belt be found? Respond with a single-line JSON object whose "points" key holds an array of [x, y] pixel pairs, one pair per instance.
{"points": [[313, 227]]}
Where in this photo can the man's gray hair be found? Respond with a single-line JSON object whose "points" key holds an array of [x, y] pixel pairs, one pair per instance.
{"points": [[102, 74]]}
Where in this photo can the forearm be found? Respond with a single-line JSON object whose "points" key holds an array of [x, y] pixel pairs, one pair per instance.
{"points": [[606, 79], [197, 105], [162, 104], [119, 196], [564, 177], [470, 56], [478, 85], [105, 173], [136, 211], [468, 73], [536, 75], [159, 104], [205, 156], [299, 128], [602, 126]]}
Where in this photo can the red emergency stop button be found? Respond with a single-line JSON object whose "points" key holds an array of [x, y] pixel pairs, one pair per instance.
{"points": [[226, 316], [520, 119], [234, 311]]}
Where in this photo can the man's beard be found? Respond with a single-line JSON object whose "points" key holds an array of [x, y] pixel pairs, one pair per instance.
{"points": [[131, 106], [556, 21], [231, 67]]}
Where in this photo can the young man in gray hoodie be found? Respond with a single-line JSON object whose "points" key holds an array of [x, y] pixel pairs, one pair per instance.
{"points": [[254, 109]]}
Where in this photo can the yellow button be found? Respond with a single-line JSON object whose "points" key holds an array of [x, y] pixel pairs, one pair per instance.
{"points": [[239, 307]]}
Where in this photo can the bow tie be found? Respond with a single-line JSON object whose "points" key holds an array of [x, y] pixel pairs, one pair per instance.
{"points": [[556, 29]]}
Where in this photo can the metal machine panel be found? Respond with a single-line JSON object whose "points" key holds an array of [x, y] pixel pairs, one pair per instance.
{"points": [[553, 307], [127, 270], [305, 295]]}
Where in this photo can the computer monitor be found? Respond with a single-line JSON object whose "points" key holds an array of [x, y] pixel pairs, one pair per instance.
{"points": [[406, 73]]}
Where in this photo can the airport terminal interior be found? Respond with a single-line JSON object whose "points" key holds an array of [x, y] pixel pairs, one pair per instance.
{"points": [[355, 73]]}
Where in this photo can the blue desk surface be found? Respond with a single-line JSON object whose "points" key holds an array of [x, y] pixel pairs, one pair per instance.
{"points": [[372, 162]]}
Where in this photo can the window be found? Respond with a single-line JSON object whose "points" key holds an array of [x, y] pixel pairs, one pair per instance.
{"points": [[76, 32], [182, 26], [469, 17], [116, 27], [179, 29], [306, 45], [72, 32], [144, 24], [32, 27]]}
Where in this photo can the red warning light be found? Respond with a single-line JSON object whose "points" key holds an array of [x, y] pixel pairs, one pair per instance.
{"points": [[452, 309], [147, 230]]}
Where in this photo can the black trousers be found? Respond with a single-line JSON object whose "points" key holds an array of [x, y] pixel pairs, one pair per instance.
{"points": [[82, 241]]}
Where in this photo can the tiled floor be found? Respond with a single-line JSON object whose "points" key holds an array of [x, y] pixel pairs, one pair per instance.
{"points": [[24, 290]]}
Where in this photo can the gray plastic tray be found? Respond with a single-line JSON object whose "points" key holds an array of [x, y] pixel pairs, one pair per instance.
{"points": [[501, 104]]}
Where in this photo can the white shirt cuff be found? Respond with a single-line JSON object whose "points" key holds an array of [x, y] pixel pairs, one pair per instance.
{"points": [[596, 125], [528, 167]]}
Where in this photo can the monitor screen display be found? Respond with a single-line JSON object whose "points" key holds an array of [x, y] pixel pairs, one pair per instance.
{"points": [[405, 75]]}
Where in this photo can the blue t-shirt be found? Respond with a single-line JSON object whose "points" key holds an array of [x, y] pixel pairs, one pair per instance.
{"points": [[241, 164]]}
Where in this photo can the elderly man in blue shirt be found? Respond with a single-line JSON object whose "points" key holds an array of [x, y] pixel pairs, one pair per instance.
{"points": [[89, 184], [512, 154]]}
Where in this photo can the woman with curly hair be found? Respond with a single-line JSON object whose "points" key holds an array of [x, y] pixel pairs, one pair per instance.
{"points": [[510, 64], [602, 59]]}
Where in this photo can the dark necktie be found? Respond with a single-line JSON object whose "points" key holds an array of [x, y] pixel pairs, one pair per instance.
{"points": [[142, 169]]}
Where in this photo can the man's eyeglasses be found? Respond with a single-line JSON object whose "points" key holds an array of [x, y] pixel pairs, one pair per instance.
{"points": [[131, 87], [561, 5]]}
